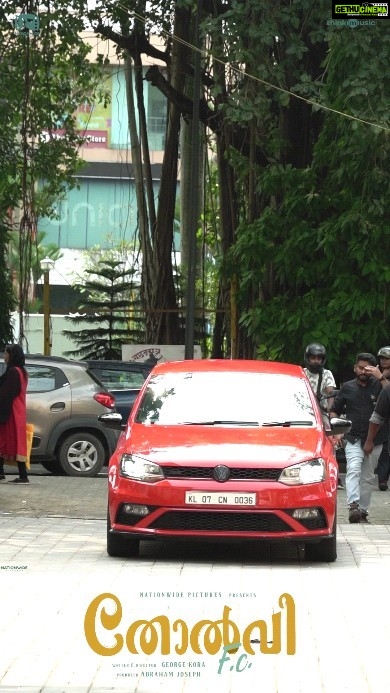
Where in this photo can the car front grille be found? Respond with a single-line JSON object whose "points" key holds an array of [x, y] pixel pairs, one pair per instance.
{"points": [[236, 474], [220, 522]]}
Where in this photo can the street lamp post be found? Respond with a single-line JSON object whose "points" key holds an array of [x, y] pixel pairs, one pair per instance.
{"points": [[46, 265], [194, 174]]}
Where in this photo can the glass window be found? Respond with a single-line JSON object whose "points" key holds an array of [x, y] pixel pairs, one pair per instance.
{"points": [[244, 398], [45, 378], [120, 380], [156, 114], [93, 212]]}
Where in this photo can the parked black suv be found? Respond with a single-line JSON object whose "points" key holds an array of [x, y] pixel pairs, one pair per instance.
{"points": [[64, 401], [123, 379]]}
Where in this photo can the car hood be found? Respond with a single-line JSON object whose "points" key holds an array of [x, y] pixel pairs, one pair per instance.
{"points": [[188, 445]]}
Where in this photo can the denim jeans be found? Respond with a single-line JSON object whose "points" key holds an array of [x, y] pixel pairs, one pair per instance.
{"points": [[359, 480]]}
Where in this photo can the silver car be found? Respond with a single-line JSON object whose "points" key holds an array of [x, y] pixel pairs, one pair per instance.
{"points": [[64, 401]]}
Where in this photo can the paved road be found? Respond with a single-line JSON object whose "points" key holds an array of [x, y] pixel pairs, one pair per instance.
{"points": [[48, 495], [62, 496], [53, 566]]}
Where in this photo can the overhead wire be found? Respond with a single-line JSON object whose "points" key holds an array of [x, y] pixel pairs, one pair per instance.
{"points": [[243, 73]]}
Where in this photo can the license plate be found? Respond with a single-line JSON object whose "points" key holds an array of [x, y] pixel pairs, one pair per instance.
{"points": [[217, 498]]}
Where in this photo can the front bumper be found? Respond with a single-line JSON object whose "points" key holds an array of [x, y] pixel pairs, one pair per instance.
{"points": [[272, 518]]}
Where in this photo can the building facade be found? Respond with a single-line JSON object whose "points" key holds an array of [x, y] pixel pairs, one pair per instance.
{"points": [[102, 209]]}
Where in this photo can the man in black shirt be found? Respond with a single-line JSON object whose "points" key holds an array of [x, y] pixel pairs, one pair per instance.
{"points": [[379, 418], [357, 399], [383, 469]]}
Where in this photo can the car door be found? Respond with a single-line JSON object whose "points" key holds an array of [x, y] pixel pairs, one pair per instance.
{"points": [[49, 401]]}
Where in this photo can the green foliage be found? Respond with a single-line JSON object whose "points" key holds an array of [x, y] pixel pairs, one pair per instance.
{"points": [[44, 79], [110, 313], [314, 261], [326, 246], [7, 301], [209, 240], [308, 227], [40, 251]]}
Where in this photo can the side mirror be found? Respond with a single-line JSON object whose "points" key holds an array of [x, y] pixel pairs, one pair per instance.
{"points": [[112, 420], [337, 427]]}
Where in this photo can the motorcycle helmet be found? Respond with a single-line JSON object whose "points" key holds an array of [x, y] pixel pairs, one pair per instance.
{"points": [[384, 352], [315, 350]]}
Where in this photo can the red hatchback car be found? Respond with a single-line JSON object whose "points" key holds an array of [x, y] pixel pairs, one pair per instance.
{"points": [[224, 450]]}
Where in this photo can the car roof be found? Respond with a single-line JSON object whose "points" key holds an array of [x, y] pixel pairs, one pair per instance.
{"points": [[120, 365], [43, 357], [55, 359], [229, 365]]}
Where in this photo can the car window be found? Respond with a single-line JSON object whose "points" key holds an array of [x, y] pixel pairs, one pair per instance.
{"points": [[114, 379], [178, 398], [45, 378]]}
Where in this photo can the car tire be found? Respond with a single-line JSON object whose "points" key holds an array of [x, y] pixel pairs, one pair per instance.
{"points": [[54, 467], [119, 546], [325, 550], [81, 454]]}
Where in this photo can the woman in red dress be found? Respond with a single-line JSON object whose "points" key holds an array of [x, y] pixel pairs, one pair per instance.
{"points": [[13, 439]]}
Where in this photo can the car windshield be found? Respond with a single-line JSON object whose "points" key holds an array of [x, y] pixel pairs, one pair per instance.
{"points": [[226, 398]]}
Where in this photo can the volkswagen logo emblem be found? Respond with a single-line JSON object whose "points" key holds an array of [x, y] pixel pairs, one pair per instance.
{"points": [[221, 473]]}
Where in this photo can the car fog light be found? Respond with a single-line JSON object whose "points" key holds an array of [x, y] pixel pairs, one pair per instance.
{"points": [[305, 513], [136, 509]]}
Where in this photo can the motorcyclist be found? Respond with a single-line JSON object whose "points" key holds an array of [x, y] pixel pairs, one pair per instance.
{"points": [[384, 362], [321, 379]]}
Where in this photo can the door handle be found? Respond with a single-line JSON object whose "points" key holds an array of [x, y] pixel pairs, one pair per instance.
{"points": [[57, 406]]}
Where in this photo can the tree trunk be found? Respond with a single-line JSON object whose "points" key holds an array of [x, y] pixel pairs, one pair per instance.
{"points": [[164, 301], [142, 208]]}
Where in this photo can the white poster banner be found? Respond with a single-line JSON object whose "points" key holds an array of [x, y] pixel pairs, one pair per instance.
{"points": [[157, 353]]}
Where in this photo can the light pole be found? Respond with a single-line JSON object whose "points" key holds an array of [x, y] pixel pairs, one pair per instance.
{"points": [[194, 174], [46, 265]]}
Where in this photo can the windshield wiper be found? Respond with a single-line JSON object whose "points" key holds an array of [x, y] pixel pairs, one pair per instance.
{"points": [[287, 423], [222, 422]]}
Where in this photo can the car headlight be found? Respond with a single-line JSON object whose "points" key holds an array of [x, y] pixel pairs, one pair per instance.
{"points": [[134, 467], [304, 473]]}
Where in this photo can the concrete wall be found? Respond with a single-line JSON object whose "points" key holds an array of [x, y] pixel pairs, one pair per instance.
{"points": [[34, 334], [61, 344]]}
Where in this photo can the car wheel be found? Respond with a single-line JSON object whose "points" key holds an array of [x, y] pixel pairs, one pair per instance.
{"points": [[81, 454], [54, 467], [323, 551], [119, 546]]}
